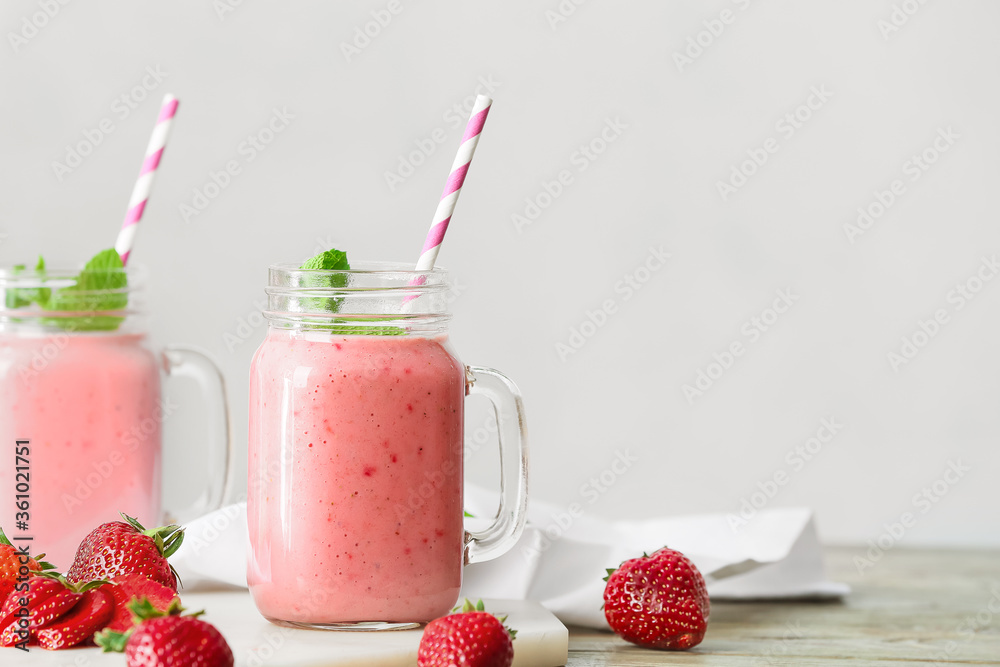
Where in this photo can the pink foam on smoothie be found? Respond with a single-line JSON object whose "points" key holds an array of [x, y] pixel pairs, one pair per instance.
{"points": [[90, 405], [362, 517]]}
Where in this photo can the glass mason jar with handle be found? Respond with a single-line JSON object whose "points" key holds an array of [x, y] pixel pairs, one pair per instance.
{"points": [[355, 480], [80, 384]]}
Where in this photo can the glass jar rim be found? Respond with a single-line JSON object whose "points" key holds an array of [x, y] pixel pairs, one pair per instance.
{"points": [[378, 268], [86, 311], [372, 294], [63, 275]]}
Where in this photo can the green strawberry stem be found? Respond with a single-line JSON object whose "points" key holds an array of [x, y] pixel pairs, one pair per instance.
{"points": [[76, 587], [46, 567], [142, 609], [168, 538], [112, 641], [467, 607]]}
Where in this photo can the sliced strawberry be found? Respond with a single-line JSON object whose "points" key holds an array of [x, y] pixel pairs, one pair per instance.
{"points": [[6, 588], [54, 607], [135, 586], [40, 590], [90, 614], [39, 615]]}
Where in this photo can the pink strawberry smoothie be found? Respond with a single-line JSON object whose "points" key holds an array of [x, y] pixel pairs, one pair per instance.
{"points": [[355, 477], [90, 405]]}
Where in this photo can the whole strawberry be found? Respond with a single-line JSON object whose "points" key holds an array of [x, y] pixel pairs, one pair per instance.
{"points": [[168, 639], [10, 564], [471, 637], [116, 549], [657, 601]]}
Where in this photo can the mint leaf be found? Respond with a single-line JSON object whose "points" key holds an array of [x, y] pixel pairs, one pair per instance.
{"points": [[328, 260], [23, 297], [100, 286], [336, 260], [348, 328]]}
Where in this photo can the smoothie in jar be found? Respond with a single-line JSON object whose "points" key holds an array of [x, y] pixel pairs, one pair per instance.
{"points": [[89, 403], [355, 474]]}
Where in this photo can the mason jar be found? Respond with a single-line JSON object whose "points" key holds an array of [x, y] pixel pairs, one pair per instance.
{"points": [[80, 387], [355, 483]]}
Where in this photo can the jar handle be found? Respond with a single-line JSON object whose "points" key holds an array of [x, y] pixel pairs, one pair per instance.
{"points": [[512, 432], [216, 453]]}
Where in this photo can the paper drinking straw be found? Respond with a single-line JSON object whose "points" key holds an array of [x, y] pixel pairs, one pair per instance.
{"points": [[453, 188], [140, 193]]}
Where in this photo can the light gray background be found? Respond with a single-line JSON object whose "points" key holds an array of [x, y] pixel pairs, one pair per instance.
{"points": [[321, 182]]}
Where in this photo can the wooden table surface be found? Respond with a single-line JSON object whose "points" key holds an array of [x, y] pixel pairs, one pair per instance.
{"points": [[911, 607]]}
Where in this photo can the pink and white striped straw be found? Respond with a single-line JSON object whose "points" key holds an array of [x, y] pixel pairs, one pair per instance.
{"points": [[140, 193], [453, 188]]}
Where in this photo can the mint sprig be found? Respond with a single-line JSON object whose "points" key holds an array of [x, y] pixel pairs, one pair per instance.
{"points": [[101, 285], [328, 260], [22, 297], [336, 260]]}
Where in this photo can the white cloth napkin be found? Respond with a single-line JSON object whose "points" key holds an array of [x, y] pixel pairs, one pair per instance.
{"points": [[561, 558]]}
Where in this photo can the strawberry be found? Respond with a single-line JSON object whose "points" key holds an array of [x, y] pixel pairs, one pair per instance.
{"points": [[116, 548], [6, 588], [53, 608], [47, 599], [10, 565], [168, 639], [657, 601], [135, 586], [39, 590], [470, 637], [89, 615]]}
